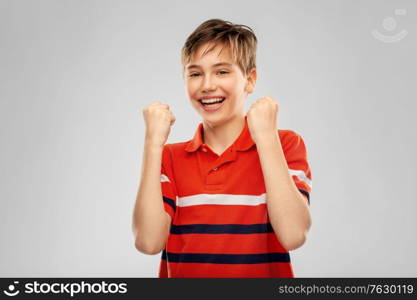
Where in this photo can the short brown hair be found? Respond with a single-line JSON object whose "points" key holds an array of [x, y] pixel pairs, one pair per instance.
{"points": [[240, 39]]}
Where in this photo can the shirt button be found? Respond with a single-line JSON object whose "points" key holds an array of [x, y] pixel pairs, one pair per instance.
{"points": [[215, 169], [204, 149]]}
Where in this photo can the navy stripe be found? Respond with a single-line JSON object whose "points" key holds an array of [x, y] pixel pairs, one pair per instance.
{"points": [[226, 258], [221, 228], [305, 193], [170, 202]]}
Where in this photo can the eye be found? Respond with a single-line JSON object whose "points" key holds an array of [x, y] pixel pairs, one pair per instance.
{"points": [[194, 74], [223, 72]]}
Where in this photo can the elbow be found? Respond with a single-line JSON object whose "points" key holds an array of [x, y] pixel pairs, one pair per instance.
{"points": [[146, 247], [297, 240], [152, 241], [294, 240], [294, 243]]}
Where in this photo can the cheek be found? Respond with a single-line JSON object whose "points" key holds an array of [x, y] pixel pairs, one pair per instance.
{"points": [[233, 85], [191, 88]]}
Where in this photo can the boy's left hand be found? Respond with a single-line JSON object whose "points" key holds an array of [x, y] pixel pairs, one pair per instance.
{"points": [[262, 118]]}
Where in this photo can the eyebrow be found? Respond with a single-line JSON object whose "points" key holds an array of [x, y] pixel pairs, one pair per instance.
{"points": [[215, 65]]}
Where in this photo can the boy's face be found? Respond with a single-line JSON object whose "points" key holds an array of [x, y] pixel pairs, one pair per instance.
{"points": [[216, 75]]}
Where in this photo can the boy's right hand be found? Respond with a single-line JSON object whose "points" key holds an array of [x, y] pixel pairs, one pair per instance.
{"points": [[158, 121]]}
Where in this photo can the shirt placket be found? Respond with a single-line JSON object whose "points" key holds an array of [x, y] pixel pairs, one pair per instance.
{"points": [[214, 171]]}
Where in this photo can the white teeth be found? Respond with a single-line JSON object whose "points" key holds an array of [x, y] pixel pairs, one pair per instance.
{"points": [[212, 100]]}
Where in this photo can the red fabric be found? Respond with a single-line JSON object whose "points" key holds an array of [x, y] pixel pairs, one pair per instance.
{"points": [[188, 176]]}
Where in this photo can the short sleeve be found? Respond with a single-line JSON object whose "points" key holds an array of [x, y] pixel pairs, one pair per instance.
{"points": [[296, 155], [168, 187]]}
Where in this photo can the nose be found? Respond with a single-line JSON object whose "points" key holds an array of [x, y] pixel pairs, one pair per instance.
{"points": [[208, 84]]}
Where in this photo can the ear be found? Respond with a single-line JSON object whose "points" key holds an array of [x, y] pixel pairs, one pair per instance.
{"points": [[251, 81]]}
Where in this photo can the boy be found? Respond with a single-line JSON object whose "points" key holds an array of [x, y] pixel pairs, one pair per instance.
{"points": [[232, 201]]}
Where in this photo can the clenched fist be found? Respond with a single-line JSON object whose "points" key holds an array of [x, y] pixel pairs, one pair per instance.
{"points": [[262, 118], [158, 121]]}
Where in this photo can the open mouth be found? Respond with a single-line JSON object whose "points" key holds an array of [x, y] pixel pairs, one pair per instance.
{"points": [[213, 102]]}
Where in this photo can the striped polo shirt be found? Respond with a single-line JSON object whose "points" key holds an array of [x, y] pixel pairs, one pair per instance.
{"points": [[217, 203]]}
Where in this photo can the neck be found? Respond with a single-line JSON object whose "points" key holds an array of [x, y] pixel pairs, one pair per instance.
{"points": [[221, 136]]}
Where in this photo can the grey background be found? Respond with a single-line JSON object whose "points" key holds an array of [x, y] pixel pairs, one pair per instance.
{"points": [[75, 76]]}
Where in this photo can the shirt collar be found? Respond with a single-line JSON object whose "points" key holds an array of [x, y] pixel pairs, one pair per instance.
{"points": [[242, 143]]}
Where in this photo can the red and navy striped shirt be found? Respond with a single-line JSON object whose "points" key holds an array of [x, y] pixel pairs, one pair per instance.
{"points": [[217, 203]]}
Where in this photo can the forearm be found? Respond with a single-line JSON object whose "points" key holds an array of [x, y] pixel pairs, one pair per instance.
{"points": [[150, 222], [287, 208]]}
